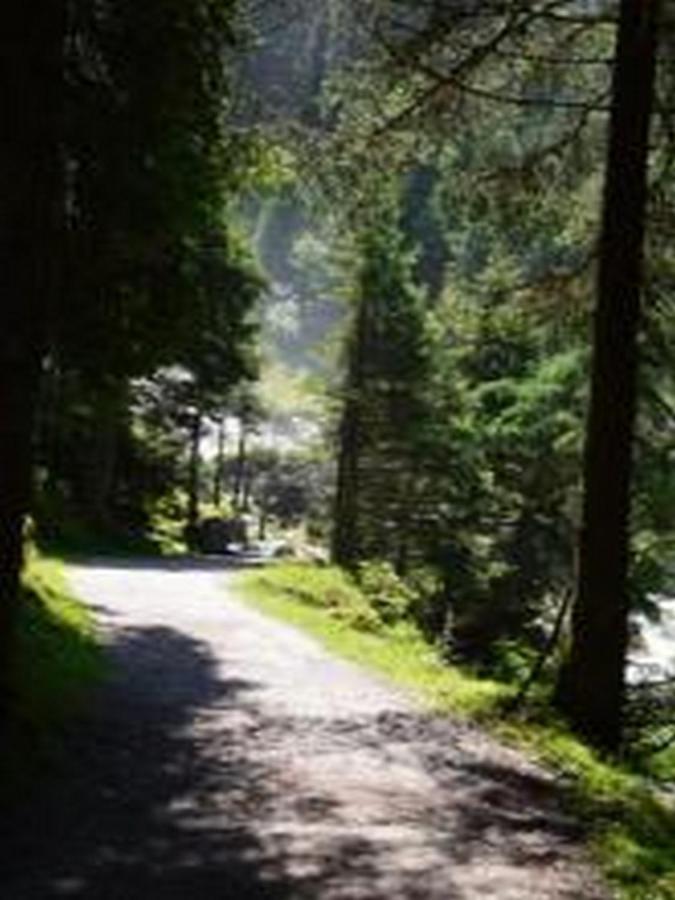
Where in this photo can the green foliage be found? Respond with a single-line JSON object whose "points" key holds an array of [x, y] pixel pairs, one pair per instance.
{"points": [[148, 171], [384, 470], [511, 661], [150, 168], [166, 523], [391, 598], [662, 765]]}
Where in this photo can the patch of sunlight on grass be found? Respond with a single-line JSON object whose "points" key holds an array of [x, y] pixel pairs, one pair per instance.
{"points": [[57, 654], [631, 831]]}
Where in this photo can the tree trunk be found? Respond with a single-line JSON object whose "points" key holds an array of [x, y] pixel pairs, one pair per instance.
{"points": [[110, 402], [219, 465], [591, 684], [264, 517], [246, 489], [18, 389], [345, 540], [194, 467], [238, 484], [31, 67]]}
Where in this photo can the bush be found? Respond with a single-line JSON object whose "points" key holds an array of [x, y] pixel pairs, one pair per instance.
{"points": [[390, 597], [511, 661]]}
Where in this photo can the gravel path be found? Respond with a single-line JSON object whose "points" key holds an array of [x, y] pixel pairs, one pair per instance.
{"points": [[230, 756]]}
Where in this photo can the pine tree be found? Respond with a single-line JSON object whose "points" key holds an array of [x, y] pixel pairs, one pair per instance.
{"points": [[386, 415]]}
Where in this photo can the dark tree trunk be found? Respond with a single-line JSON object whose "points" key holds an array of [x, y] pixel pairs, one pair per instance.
{"points": [[110, 402], [246, 489], [219, 465], [345, 548], [264, 517], [194, 471], [591, 684], [238, 483], [18, 388], [31, 57]]}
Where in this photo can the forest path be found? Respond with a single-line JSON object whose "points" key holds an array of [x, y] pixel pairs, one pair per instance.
{"points": [[229, 756]]}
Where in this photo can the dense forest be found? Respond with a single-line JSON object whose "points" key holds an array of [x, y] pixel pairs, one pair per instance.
{"points": [[393, 285]]}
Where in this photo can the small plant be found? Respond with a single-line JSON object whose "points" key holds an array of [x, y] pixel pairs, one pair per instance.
{"points": [[511, 661]]}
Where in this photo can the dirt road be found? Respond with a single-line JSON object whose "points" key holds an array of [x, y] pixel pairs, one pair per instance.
{"points": [[229, 756]]}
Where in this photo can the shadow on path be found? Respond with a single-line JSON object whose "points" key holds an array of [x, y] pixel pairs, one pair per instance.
{"points": [[159, 564], [184, 784], [130, 812], [158, 794]]}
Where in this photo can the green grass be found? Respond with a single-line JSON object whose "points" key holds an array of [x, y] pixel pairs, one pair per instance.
{"points": [[57, 661], [630, 831]]}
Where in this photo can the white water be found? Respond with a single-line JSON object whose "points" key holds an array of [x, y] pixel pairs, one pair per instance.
{"points": [[654, 658]]}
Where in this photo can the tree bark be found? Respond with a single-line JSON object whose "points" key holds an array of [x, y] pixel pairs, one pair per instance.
{"points": [[345, 539], [238, 484], [591, 684], [264, 517], [110, 403], [194, 469], [31, 68], [219, 465]]}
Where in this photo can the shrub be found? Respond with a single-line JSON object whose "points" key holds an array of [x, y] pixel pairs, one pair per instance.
{"points": [[390, 597]]}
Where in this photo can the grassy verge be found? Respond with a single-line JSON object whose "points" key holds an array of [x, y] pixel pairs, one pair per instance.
{"points": [[631, 832], [57, 661]]}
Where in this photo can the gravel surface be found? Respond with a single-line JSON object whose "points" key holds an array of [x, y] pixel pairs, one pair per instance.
{"points": [[230, 756]]}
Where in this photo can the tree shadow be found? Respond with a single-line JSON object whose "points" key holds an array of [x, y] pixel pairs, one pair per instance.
{"points": [[182, 783], [160, 793], [488, 805], [178, 563]]}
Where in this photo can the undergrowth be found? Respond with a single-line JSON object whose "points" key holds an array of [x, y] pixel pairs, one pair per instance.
{"points": [[630, 828]]}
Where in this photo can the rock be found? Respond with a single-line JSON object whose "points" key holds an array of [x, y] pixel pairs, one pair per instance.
{"points": [[217, 535]]}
